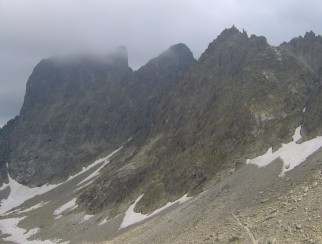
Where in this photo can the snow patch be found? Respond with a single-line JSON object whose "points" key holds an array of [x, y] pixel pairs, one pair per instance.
{"points": [[20, 235], [292, 154], [105, 161], [4, 186], [94, 174], [132, 217], [58, 217], [83, 186], [20, 193], [86, 217], [103, 222], [39, 205], [67, 206]]}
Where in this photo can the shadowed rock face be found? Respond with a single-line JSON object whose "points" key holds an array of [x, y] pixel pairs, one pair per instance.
{"points": [[64, 119], [242, 97], [308, 51], [191, 122], [76, 108]]}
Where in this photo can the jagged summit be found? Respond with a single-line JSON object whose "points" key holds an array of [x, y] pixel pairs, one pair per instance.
{"points": [[308, 48], [309, 35], [180, 50], [232, 41], [179, 47], [119, 56], [309, 38], [176, 58], [230, 33], [121, 51]]}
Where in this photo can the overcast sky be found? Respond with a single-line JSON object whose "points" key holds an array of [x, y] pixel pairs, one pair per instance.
{"points": [[31, 30]]}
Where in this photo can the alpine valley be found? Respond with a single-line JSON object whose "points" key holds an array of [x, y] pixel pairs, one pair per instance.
{"points": [[223, 149]]}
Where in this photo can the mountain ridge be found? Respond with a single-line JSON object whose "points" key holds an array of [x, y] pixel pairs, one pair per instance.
{"points": [[76, 95], [191, 122], [185, 129], [184, 157]]}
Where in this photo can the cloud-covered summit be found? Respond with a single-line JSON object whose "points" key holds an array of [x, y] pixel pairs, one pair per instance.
{"points": [[36, 29]]}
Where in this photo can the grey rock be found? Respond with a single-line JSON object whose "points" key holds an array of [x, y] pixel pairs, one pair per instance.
{"points": [[78, 108]]}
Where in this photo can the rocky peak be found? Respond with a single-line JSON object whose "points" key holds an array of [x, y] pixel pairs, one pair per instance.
{"points": [[308, 50], [178, 53], [120, 56], [175, 60], [232, 49], [305, 42], [157, 78], [309, 35], [233, 37], [64, 78], [231, 34]]}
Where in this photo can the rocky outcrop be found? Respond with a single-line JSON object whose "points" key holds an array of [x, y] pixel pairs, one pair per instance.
{"points": [[307, 50]]}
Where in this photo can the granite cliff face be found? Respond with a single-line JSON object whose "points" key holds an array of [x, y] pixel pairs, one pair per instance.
{"points": [[191, 122], [76, 108]]}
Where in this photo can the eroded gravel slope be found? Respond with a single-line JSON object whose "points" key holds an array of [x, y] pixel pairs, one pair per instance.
{"points": [[253, 205]]}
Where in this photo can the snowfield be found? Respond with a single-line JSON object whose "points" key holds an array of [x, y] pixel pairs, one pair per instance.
{"points": [[39, 205], [20, 193], [131, 217], [292, 154], [4, 186], [95, 173], [83, 186], [104, 221], [67, 206], [86, 217], [19, 235]]}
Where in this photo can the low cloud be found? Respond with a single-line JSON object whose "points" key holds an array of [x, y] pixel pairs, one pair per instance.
{"points": [[35, 29]]}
